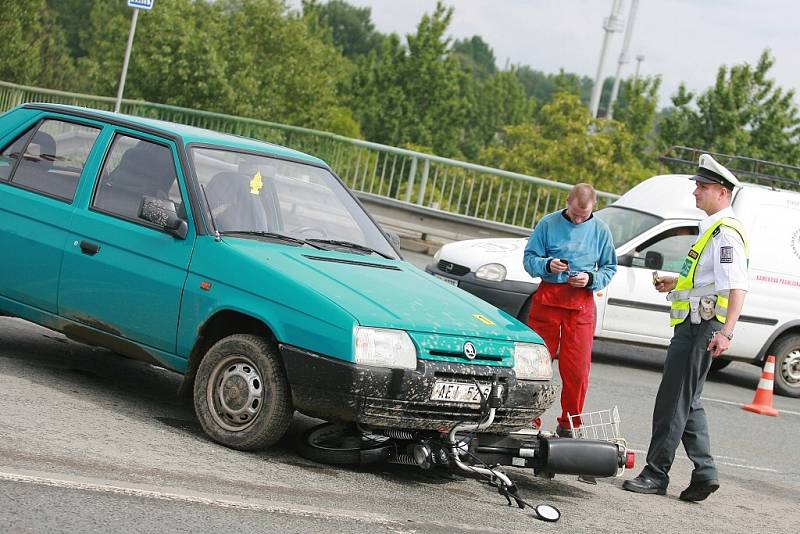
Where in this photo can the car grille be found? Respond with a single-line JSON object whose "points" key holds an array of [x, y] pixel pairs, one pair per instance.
{"points": [[452, 268]]}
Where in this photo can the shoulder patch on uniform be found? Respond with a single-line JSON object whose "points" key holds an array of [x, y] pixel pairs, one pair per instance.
{"points": [[726, 254], [693, 254], [715, 233]]}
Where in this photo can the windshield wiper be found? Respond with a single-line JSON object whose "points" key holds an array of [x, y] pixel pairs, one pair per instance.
{"points": [[274, 235], [351, 245]]}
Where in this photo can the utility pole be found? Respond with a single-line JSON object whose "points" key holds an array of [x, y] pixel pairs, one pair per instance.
{"points": [[136, 5], [612, 24], [623, 57], [639, 59]]}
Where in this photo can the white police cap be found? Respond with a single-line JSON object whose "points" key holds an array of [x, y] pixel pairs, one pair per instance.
{"points": [[710, 171]]}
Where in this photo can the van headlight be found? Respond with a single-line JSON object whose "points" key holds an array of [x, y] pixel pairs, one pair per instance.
{"points": [[491, 271], [437, 255], [532, 362], [381, 347]]}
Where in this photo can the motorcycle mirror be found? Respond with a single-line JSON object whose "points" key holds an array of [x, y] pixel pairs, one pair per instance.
{"points": [[548, 513]]}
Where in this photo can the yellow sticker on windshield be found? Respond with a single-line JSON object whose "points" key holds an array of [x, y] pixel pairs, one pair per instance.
{"points": [[483, 319], [256, 184]]}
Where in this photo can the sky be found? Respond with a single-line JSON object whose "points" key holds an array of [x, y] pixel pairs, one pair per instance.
{"points": [[681, 40]]}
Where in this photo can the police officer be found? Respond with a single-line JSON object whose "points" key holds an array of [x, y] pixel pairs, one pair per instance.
{"points": [[706, 299]]}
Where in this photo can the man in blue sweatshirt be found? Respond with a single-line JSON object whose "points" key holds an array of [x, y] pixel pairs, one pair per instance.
{"points": [[573, 253]]}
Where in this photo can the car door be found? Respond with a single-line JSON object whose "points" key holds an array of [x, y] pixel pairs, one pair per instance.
{"points": [[39, 174], [634, 310], [121, 274]]}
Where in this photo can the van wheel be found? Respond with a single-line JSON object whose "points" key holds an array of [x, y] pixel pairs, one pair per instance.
{"points": [[241, 395], [717, 365], [787, 365]]}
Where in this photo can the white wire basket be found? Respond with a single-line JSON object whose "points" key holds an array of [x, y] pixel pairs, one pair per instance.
{"points": [[600, 425]]}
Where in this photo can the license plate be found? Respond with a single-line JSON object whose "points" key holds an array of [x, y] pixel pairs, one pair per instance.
{"points": [[459, 392], [447, 280]]}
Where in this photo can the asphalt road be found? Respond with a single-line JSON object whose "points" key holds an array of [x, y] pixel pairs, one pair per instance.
{"points": [[92, 442]]}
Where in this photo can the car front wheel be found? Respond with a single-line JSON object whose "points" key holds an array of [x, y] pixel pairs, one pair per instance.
{"points": [[241, 395]]}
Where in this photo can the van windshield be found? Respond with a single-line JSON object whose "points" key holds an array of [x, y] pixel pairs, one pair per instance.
{"points": [[259, 195], [625, 224]]}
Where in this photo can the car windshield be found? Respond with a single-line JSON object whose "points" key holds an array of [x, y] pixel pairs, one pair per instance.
{"points": [[267, 197], [626, 224]]}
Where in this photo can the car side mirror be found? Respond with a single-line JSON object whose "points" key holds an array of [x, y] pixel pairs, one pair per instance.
{"points": [[163, 214], [653, 260]]}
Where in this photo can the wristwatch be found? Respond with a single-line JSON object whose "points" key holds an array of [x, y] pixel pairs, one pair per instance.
{"points": [[729, 336]]}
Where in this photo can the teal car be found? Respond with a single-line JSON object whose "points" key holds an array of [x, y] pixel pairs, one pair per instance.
{"points": [[252, 270]]}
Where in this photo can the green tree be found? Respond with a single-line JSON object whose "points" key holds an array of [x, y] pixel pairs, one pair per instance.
{"points": [[636, 109], [475, 56], [412, 93], [743, 113], [34, 46], [351, 27], [565, 144]]}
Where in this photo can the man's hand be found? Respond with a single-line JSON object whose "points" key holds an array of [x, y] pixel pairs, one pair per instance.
{"points": [[665, 284], [558, 266], [718, 345], [579, 280]]}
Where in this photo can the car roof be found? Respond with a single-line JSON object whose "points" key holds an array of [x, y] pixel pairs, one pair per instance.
{"points": [[187, 134], [668, 196]]}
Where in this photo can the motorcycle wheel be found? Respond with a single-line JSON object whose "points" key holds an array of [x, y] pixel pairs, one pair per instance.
{"points": [[336, 444]]}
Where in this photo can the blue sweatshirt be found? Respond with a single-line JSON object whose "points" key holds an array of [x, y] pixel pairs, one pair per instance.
{"points": [[588, 246]]}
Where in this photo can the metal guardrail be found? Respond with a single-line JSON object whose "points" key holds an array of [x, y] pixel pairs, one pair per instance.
{"points": [[442, 184]]}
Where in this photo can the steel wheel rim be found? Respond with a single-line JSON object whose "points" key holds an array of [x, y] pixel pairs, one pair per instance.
{"points": [[235, 393], [790, 368]]}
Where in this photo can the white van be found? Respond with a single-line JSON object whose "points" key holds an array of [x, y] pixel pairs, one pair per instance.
{"points": [[653, 225]]}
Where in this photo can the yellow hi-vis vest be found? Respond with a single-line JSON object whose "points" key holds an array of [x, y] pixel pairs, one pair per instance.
{"points": [[684, 289]]}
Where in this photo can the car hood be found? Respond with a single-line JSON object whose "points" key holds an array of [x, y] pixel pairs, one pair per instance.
{"points": [[381, 292], [474, 253]]}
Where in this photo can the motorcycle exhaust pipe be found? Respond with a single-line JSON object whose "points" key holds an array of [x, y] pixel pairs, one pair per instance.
{"points": [[566, 456]]}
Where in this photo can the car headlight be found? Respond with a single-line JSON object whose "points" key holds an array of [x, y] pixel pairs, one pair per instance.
{"points": [[437, 255], [381, 347], [491, 271], [532, 362]]}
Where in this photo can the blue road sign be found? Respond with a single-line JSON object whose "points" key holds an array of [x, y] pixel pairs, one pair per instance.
{"points": [[141, 4]]}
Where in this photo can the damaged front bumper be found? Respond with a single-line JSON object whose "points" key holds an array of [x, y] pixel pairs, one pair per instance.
{"points": [[398, 398]]}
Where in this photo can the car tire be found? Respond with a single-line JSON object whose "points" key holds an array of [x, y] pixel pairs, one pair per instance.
{"points": [[787, 365], [241, 394], [335, 444], [717, 365]]}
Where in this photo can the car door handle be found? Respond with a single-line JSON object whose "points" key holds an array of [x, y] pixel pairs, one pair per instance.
{"points": [[89, 248]]}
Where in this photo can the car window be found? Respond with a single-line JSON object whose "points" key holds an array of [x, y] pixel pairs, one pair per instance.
{"points": [[672, 244], [54, 158], [625, 224], [134, 169], [11, 154], [252, 193]]}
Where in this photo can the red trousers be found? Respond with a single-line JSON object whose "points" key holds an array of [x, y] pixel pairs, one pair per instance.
{"points": [[564, 316]]}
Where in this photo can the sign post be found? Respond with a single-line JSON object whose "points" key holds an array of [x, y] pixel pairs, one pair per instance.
{"points": [[136, 5]]}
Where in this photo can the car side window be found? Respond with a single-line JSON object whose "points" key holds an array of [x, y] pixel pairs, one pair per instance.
{"points": [[53, 158], [11, 154], [672, 244], [134, 169]]}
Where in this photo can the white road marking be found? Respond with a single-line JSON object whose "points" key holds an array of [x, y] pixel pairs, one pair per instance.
{"points": [[196, 498], [740, 403], [679, 456]]}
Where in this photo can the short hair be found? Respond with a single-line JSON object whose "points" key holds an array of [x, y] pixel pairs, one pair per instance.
{"points": [[583, 194]]}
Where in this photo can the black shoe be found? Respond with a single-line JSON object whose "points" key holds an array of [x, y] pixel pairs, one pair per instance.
{"points": [[643, 484], [562, 432], [699, 490]]}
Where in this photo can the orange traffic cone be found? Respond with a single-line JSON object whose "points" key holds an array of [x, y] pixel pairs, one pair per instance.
{"points": [[762, 402]]}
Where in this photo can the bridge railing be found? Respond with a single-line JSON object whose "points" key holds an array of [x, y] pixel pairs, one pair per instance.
{"points": [[443, 184]]}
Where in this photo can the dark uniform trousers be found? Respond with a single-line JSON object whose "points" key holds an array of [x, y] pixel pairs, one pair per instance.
{"points": [[678, 414]]}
